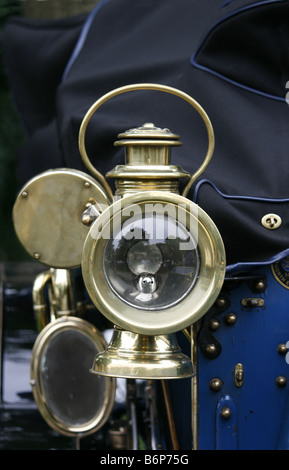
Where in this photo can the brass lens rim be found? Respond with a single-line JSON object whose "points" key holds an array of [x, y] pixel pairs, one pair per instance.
{"points": [[42, 341], [187, 310]]}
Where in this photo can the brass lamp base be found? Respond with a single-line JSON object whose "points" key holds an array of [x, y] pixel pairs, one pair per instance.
{"points": [[131, 355]]}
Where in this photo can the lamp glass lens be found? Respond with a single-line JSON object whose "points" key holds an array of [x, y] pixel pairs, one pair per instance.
{"points": [[152, 261]]}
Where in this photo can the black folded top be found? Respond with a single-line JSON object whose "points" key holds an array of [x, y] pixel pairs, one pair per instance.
{"points": [[232, 57]]}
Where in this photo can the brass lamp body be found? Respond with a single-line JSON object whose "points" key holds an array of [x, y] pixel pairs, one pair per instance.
{"points": [[147, 168], [144, 344]]}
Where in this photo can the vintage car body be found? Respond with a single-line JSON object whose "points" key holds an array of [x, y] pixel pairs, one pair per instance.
{"points": [[236, 397]]}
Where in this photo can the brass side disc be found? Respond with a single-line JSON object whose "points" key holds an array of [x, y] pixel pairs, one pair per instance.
{"points": [[47, 215], [70, 399]]}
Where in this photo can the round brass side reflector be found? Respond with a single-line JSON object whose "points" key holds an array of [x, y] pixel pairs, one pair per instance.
{"points": [[72, 401], [153, 263], [47, 215]]}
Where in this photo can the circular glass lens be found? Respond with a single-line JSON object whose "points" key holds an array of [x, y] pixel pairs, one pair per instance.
{"points": [[152, 262]]}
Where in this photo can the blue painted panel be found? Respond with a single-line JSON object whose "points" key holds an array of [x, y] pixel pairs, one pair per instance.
{"points": [[227, 425], [251, 341]]}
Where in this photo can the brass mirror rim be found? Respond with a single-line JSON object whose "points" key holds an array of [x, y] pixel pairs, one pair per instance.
{"points": [[116, 310], [40, 344], [145, 86]]}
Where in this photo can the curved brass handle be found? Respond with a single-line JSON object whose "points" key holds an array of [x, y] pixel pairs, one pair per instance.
{"points": [[145, 86]]}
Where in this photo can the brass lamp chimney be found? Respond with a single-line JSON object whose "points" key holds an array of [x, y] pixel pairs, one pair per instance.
{"points": [[147, 161]]}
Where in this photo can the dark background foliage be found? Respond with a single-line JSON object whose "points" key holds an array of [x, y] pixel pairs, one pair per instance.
{"points": [[11, 135]]}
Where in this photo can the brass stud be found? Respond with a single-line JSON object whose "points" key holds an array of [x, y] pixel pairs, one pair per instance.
{"points": [[24, 194], [211, 349], [281, 381], [216, 384], [36, 255], [221, 302], [214, 324], [87, 184], [86, 219], [260, 286], [282, 349], [91, 201], [226, 413], [230, 319]]}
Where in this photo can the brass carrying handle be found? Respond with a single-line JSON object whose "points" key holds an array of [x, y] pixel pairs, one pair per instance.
{"points": [[145, 86]]}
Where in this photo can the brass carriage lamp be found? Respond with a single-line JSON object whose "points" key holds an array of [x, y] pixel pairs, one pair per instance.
{"points": [[153, 262]]}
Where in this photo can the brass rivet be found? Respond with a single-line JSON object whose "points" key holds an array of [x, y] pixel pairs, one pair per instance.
{"points": [[260, 285], [36, 255], [216, 384], [230, 319], [271, 221], [87, 184], [211, 349], [86, 219], [220, 302], [281, 381], [24, 194], [214, 324], [226, 412], [282, 349]]}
